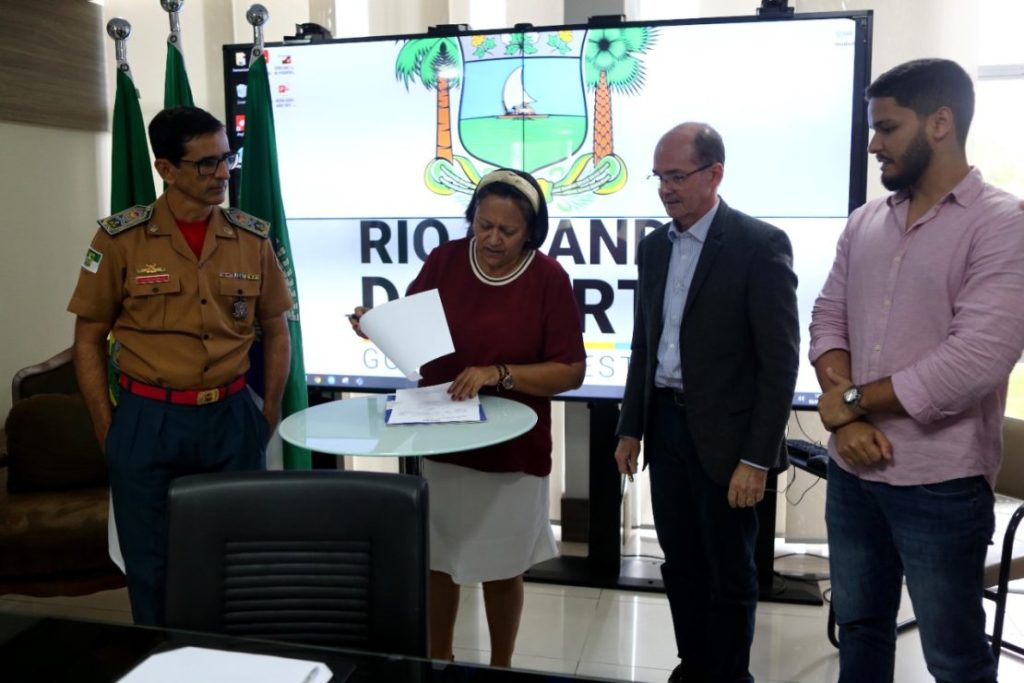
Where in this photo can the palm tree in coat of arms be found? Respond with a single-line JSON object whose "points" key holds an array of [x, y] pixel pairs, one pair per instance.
{"points": [[437, 64], [611, 63]]}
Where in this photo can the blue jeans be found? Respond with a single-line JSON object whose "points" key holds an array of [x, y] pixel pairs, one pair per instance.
{"points": [[936, 535]]}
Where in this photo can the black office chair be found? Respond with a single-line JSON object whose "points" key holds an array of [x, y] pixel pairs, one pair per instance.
{"points": [[328, 558], [1005, 561]]}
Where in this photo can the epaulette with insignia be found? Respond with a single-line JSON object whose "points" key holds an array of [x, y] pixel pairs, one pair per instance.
{"points": [[123, 220], [247, 222]]}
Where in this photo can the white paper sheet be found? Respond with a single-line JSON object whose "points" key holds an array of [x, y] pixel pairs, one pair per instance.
{"points": [[432, 404], [202, 664], [411, 331]]}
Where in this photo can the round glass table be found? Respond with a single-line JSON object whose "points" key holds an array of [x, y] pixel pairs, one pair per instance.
{"points": [[355, 426]]}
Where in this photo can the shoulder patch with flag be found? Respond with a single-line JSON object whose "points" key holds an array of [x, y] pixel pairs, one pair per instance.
{"points": [[92, 260], [247, 222], [124, 220]]}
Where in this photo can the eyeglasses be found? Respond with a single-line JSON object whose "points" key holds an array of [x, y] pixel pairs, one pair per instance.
{"points": [[208, 165], [677, 178]]}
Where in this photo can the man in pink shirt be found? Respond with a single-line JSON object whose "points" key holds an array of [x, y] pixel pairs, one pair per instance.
{"points": [[913, 337]]}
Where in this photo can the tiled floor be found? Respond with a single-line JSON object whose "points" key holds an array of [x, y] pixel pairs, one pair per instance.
{"points": [[624, 635]]}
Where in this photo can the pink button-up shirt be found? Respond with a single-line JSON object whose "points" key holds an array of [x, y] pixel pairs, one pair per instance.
{"points": [[939, 307]]}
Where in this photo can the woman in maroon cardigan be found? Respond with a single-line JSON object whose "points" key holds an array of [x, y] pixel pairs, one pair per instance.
{"points": [[516, 331]]}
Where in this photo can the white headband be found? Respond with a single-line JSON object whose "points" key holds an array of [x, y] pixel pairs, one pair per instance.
{"points": [[515, 180]]}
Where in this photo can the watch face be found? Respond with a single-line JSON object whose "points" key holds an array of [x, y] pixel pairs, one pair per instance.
{"points": [[507, 382], [851, 395]]}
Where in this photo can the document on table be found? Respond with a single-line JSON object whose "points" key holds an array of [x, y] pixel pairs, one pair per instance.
{"points": [[426, 405], [411, 331], [202, 664]]}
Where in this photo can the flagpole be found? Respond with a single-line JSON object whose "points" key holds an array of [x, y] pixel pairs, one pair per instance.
{"points": [[173, 7], [257, 15], [260, 195], [131, 184], [177, 90], [119, 29]]}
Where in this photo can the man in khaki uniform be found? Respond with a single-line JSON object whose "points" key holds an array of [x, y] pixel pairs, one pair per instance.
{"points": [[181, 283]]}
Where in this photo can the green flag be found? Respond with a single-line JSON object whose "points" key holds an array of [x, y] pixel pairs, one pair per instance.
{"points": [[260, 195], [177, 91], [131, 180], [131, 177]]}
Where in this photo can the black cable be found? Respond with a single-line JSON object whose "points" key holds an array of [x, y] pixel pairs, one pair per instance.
{"points": [[807, 437], [799, 500]]}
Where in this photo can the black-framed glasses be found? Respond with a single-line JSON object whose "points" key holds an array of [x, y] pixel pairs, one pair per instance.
{"points": [[208, 165], [677, 178]]}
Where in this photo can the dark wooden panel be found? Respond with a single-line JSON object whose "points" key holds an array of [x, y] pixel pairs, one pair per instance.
{"points": [[51, 63]]}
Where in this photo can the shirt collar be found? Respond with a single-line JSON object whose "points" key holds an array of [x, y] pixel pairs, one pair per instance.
{"points": [[699, 230], [964, 194]]}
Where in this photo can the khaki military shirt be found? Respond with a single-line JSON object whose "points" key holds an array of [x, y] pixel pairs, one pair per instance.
{"points": [[182, 323]]}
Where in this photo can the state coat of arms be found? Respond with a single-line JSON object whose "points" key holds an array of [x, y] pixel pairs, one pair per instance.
{"points": [[523, 104]]}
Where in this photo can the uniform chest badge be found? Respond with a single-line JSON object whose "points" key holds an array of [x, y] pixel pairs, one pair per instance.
{"points": [[151, 274], [239, 309], [152, 279]]}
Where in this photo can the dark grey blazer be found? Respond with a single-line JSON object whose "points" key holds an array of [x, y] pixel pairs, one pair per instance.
{"points": [[739, 341]]}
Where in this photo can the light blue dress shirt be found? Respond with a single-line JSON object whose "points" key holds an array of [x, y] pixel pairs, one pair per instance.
{"points": [[686, 248]]}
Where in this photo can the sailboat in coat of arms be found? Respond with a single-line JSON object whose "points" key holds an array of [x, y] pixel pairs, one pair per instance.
{"points": [[515, 98]]}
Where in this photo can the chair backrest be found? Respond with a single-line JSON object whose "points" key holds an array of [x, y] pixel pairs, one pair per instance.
{"points": [[327, 558], [51, 445], [55, 375], [1010, 480]]}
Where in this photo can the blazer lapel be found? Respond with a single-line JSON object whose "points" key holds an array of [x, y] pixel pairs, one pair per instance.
{"points": [[708, 253]]}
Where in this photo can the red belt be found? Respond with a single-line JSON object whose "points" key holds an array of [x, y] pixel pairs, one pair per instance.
{"points": [[196, 397]]}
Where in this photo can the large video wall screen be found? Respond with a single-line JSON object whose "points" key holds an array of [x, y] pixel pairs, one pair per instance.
{"points": [[380, 143]]}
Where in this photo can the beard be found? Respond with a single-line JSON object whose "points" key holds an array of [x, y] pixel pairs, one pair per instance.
{"points": [[913, 163]]}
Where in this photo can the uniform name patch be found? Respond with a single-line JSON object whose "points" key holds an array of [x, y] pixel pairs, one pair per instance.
{"points": [[152, 279], [241, 276], [92, 260]]}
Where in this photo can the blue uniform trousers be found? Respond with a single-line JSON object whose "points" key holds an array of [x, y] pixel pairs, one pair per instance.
{"points": [[150, 443]]}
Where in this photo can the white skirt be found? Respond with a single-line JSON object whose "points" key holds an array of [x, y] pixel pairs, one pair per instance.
{"points": [[487, 526]]}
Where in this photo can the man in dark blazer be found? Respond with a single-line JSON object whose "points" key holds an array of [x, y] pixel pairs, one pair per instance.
{"points": [[714, 362]]}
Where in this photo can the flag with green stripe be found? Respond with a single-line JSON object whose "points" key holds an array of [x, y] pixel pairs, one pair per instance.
{"points": [[260, 195]]}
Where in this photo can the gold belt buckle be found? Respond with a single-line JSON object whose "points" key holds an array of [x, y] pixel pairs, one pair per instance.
{"points": [[207, 396]]}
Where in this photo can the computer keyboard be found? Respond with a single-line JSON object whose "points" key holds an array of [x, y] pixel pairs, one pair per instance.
{"points": [[808, 456]]}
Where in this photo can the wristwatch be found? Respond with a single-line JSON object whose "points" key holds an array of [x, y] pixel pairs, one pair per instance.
{"points": [[505, 379], [852, 397]]}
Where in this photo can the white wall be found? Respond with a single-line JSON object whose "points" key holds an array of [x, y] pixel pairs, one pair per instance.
{"points": [[48, 197]]}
